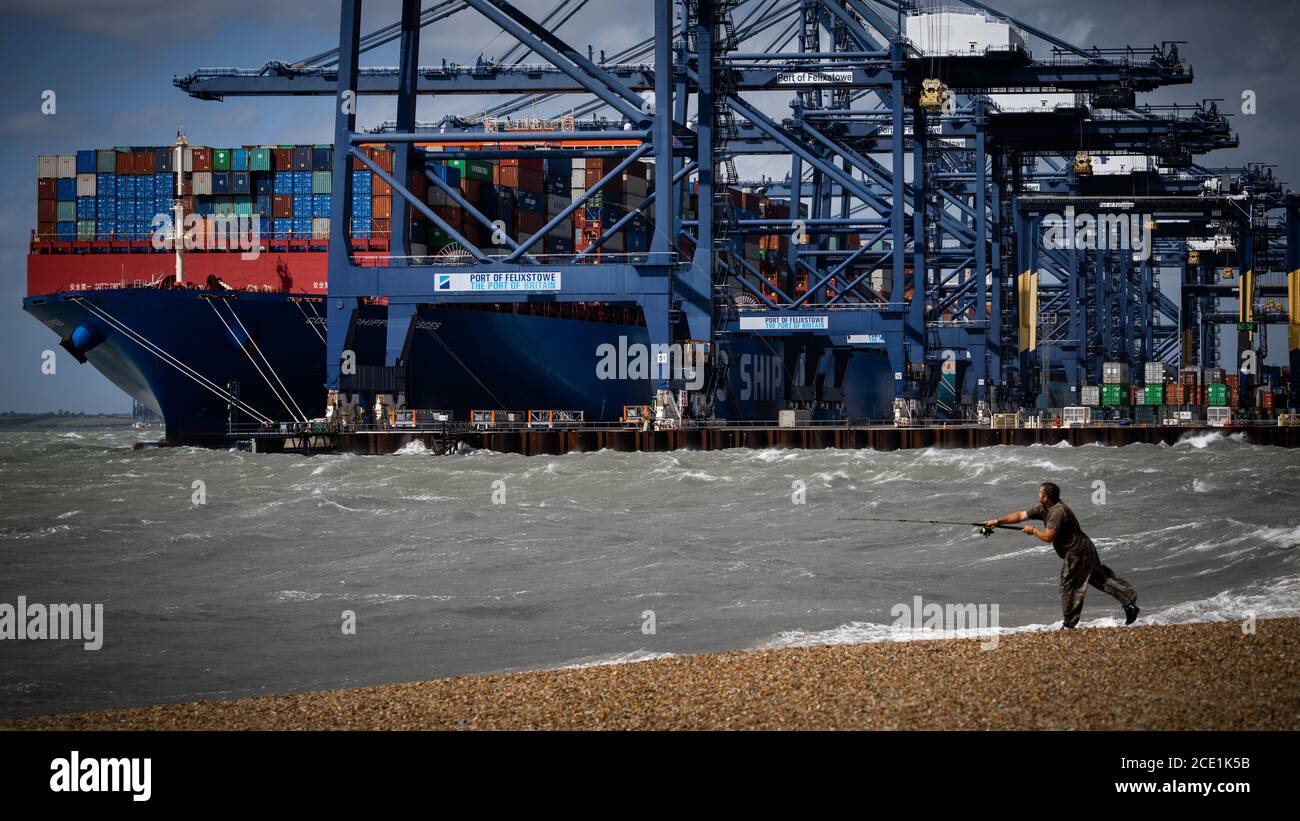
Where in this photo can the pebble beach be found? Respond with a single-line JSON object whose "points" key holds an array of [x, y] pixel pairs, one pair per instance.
{"points": [[1205, 676]]}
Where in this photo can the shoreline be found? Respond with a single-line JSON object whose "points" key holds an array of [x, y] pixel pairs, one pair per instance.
{"points": [[1201, 676]]}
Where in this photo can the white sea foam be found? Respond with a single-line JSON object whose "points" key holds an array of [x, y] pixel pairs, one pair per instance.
{"points": [[633, 657]]}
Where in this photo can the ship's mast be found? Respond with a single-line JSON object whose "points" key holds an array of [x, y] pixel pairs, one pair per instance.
{"points": [[178, 207]]}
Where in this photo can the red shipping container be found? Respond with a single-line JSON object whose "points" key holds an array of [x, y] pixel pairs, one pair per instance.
{"points": [[419, 186], [638, 169], [282, 206], [282, 159], [142, 162], [594, 176], [122, 163], [46, 210], [382, 208], [45, 230], [45, 189], [381, 227], [1174, 394], [526, 163], [453, 216], [201, 159], [382, 157]]}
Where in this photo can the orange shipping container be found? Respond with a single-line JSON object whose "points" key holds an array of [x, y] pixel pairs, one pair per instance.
{"points": [[382, 208]]}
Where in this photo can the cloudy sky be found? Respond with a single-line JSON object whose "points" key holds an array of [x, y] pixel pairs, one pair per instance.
{"points": [[111, 63]]}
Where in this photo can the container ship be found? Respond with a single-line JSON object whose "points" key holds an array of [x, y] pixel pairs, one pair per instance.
{"points": [[227, 330]]}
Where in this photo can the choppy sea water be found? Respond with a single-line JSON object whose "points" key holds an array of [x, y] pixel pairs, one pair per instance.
{"points": [[245, 594]]}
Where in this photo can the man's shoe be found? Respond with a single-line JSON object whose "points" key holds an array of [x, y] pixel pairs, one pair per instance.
{"points": [[1131, 613]]}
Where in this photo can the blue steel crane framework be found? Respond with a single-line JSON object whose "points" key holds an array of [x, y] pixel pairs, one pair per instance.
{"points": [[952, 274]]}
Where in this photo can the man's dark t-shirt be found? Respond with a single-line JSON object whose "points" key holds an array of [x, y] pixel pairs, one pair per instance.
{"points": [[1069, 536]]}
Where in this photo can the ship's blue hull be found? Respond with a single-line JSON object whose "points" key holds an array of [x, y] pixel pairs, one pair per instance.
{"points": [[178, 351]]}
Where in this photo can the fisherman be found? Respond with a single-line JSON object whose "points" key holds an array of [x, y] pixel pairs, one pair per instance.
{"points": [[1082, 566]]}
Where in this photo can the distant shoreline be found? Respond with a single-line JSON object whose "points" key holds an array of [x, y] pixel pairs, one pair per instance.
{"points": [[62, 421], [1204, 676]]}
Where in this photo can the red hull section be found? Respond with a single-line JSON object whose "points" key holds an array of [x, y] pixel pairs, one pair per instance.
{"points": [[53, 267]]}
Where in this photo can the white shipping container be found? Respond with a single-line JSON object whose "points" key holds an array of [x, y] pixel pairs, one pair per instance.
{"points": [[320, 228], [580, 162], [576, 193], [202, 183], [555, 204], [793, 418], [85, 185], [68, 166], [1090, 395], [1114, 373], [1217, 416], [1156, 373], [189, 161], [47, 166]]}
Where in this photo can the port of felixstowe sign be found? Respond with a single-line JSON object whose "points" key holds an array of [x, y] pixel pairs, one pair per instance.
{"points": [[498, 281], [784, 323], [814, 78]]}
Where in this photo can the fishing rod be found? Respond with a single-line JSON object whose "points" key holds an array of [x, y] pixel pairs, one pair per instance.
{"points": [[985, 530]]}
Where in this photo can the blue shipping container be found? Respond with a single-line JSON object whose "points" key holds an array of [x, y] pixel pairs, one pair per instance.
{"points": [[320, 159], [105, 208], [220, 182], [65, 189], [321, 204], [263, 183], [361, 227], [302, 205], [239, 159], [281, 228], [530, 202], [66, 231], [283, 182], [263, 204], [164, 161], [85, 208], [164, 185], [105, 185], [239, 182], [301, 182], [86, 162], [361, 182]]}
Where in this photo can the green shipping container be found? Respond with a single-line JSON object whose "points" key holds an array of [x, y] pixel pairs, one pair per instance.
{"points": [[223, 206], [106, 161], [259, 159], [244, 206], [473, 169], [1114, 395], [221, 159], [1154, 395], [1217, 395], [322, 182], [65, 211]]}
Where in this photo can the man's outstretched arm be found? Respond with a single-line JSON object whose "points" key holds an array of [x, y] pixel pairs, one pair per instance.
{"points": [[1009, 519]]}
